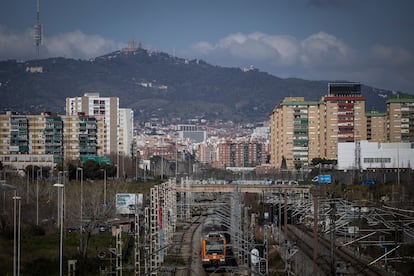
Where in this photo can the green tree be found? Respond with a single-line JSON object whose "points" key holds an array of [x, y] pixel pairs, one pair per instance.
{"points": [[110, 170], [91, 169], [283, 166], [31, 171], [1, 169]]}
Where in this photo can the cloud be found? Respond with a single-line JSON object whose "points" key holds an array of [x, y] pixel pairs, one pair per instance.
{"points": [[261, 46], [332, 3], [14, 45], [323, 49], [391, 56], [280, 50], [202, 47], [76, 44], [320, 56], [392, 66]]}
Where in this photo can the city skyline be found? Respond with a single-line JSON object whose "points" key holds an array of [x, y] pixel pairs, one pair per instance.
{"points": [[362, 41]]}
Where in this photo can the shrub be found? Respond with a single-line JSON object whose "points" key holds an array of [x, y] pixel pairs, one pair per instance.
{"points": [[36, 230]]}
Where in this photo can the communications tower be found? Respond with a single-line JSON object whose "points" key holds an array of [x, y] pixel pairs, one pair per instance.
{"points": [[38, 30]]}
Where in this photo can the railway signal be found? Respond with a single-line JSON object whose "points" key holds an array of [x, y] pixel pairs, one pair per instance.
{"points": [[262, 267]]}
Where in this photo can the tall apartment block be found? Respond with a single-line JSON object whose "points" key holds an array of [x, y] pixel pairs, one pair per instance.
{"points": [[93, 105], [303, 130], [83, 136], [295, 131], [53, 134], [30, 139], [376, 126], [400, 111], [345, 116], [93, 126], [48, 139], [126, 129], [19, 134]]}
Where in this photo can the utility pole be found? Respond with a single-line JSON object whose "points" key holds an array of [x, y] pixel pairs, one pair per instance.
{"points": [[162, 158], [286, 216], [279, 220], [332, 216], [315, 232]]}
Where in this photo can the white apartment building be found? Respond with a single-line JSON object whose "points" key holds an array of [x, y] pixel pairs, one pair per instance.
{"points": [[126, 129], [92, 104]]}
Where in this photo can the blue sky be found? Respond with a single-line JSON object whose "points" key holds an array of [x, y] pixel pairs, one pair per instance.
{"points": [[368, 41]]}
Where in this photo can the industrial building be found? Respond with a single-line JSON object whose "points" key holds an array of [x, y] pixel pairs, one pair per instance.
{"points": [[366, 155]]}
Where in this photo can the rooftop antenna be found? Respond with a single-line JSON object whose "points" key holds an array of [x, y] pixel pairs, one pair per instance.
{"points": [[38, 30]]}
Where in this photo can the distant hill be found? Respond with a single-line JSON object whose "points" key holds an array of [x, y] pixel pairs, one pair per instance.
{"points": [[157, 85]]}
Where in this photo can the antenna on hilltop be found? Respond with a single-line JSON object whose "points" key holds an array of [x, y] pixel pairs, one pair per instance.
{"points": [[38, 30]]}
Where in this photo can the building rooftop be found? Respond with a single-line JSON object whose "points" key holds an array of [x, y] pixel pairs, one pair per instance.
{"points": [[401, 98]]}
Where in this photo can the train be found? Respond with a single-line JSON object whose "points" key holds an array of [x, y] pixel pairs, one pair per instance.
{"points": [[213, 251], [214, 245]]}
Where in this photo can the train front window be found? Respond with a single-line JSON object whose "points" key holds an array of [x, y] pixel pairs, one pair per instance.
{"points": [[215, 247]]}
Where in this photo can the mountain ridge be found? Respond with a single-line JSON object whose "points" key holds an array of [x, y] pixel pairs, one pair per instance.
{"points": [[158, 85]]}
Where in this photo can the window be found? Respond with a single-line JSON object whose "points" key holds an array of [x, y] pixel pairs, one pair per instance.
{"points": [[377, 160]]}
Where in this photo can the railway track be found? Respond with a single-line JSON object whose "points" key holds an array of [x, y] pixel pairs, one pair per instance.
{"points": [[355, 265], [189, 249]]}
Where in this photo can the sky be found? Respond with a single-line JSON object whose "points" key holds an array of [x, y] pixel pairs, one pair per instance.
{"points": [[367, 41]]}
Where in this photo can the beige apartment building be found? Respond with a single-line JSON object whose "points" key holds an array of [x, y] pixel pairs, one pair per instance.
{"points": [[31, 134], [205, 152], [295, 131], [25, 140], [93, 127], [376, 126], [400, 122], [93, 105], [303, 130], [345, 116], [45, 140], [119, 122], [83, 136]]}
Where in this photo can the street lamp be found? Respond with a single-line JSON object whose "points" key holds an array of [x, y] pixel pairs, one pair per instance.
{"points": [[81, 210], [117, 162], [60, 173], [60, 209], [104, 204], [16, 270], [136, 166], [6, 187], [37, 196]]}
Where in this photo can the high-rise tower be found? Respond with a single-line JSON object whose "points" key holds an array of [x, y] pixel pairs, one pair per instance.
{"points": [[93, 105], [38, 30]]}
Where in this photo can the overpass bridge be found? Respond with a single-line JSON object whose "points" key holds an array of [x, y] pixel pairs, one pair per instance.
{"points": [[271, 192], [245, 188]]}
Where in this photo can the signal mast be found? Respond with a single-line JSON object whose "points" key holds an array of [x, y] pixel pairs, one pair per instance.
{"points": [[38, 30]]}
